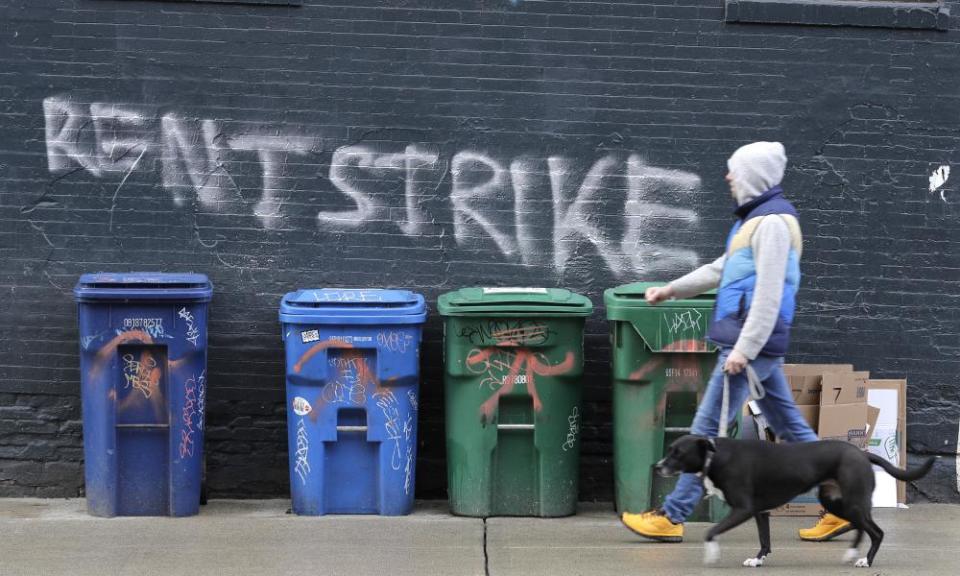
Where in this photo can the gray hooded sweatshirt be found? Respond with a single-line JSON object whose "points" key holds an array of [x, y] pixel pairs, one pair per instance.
{"points": [[755, 168]]}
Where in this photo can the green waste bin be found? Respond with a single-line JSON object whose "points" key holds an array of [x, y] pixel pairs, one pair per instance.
{"points": [[661, 365], [514, 361]]}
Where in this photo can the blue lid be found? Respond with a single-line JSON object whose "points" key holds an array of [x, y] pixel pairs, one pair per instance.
{"points": [[353, 306], [143, 286]]}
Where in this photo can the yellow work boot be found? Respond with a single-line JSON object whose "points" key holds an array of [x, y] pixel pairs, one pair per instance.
{"points": [[827, 528], [653, 525]]}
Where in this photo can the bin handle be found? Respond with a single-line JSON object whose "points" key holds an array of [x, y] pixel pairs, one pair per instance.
{"points": [[351, 428], [515, 426]]}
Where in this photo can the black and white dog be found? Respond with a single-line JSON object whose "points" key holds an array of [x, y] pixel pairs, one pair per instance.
{"points": [[754, 477]]}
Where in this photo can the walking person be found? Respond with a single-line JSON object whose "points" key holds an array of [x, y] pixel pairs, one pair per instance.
{"points": [[758, 277]]}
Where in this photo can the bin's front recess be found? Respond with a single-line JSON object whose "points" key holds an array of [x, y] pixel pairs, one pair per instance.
{"points": [[143, 355], [661, 365], [352, 366], [513, 365]]}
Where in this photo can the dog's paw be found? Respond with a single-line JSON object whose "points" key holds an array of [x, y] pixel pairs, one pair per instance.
{"points": [[754, 562], [711, 553], [862, 563], [850, 555]]}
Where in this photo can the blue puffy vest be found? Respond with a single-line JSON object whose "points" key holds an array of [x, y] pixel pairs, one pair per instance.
{"points": [[740, 274]]}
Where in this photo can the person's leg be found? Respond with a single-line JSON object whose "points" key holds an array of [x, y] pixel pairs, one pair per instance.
{"points": [[777, 404], [689, 489]]}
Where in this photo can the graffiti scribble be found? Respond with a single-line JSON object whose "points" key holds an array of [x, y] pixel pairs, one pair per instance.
{"points": [[141, 375], [302, 464]]}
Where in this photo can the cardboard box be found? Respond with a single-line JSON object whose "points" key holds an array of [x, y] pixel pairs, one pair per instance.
{"points": [[811, 414], [815, 369], [806, 389], [833, 399], [844, 422], [888, 437], [844, 388], [805, 380]]}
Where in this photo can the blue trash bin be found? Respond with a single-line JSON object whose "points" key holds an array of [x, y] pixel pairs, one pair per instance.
{"points": [[143, 357], [352, 371]]}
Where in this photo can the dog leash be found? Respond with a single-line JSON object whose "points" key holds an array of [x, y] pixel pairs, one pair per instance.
{"points": [[757, 392]]}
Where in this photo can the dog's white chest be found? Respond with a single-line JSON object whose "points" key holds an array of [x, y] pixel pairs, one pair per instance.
{"points": [[711, 489]]}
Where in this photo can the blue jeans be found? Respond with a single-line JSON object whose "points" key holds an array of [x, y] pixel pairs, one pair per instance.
{"points": [[777, 407]]}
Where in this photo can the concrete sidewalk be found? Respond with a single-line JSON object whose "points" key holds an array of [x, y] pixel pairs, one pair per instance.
{"points": [[47, 537]]}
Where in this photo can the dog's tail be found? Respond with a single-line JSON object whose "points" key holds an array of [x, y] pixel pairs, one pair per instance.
{"points": [[901, 474]]}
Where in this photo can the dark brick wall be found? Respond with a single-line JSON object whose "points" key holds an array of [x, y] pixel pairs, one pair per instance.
{"points": [[444, 143]]}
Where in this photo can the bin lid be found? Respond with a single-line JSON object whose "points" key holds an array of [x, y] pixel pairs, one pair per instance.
{"points": [[670, 326], [143, 286], [353, 306], [632, 296], [479, 301]]}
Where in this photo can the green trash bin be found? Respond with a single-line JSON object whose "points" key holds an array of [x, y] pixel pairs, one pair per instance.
{"points": [[661, 365], [514, 361]]}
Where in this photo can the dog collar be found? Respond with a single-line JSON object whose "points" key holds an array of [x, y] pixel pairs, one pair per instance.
{"points": [[706, 465]]}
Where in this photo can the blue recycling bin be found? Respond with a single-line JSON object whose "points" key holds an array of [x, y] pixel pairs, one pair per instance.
{"points": [[143, 357], [352, 372]]}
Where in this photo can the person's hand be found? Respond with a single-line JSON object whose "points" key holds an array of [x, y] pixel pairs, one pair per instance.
{"points": [[736, 363], [657, 294]]}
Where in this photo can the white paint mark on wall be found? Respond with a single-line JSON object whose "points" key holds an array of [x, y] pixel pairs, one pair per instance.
{"points": [[119, 131], [646, 216], [191, 157], [65, 123], [478, 198], [576, 220], [938, 179], [273, 152]]}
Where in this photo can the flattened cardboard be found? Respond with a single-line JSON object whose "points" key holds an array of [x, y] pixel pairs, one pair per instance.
{"points": [[901, 387], [873, 414]]}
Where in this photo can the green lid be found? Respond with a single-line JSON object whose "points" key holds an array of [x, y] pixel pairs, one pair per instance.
{"points": [[478, 301], [670, 326], [632, 296]]}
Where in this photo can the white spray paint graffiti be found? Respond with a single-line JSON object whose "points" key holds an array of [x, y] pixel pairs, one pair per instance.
{"points": [[302, 464], [201, 399], [348, 387], [387, 402], [193, 333], [573, 420], [395, 340], [684, 321], [138, 374], [408, 471], [192, 415], [938, 179], [533, 210], [345, 174]]}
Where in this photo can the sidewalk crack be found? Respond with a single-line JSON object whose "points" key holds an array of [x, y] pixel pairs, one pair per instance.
{"points": [[486, 555]]}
